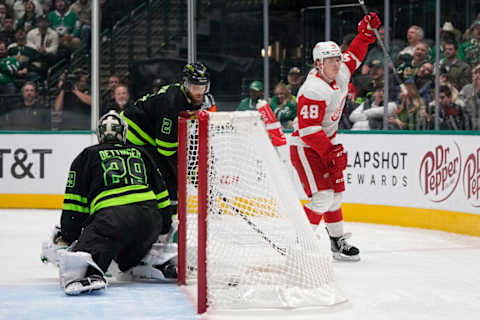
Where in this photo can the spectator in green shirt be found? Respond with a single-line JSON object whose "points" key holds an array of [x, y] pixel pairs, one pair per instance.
{"points": [[284, 106], [255, 92]]}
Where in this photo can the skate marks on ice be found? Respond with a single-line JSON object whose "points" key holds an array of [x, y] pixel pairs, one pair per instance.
{"points": [[404, 273]]}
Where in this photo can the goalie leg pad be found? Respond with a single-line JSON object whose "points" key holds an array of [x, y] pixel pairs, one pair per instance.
{"points": [[160, 263], [72, 267]]}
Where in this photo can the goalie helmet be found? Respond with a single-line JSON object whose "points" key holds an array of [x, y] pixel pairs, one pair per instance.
{"points": [[112, 128], [197, 74], [326, 49]]}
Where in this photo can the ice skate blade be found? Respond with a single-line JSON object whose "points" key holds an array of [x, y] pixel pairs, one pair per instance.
{"points": [[342, 257]]}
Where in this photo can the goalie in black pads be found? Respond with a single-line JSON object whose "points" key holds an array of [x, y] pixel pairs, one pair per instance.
{"points": [[115, 208]]}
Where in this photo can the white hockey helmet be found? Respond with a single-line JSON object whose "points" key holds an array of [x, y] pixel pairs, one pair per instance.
{"points": [[326, 49], [112, 128]]}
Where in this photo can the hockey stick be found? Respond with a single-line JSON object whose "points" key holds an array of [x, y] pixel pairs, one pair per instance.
{"points": [[254, 227], [382, 45]]}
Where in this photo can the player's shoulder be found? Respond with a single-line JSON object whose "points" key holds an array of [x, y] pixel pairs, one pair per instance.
{"points": [[165, 92]]}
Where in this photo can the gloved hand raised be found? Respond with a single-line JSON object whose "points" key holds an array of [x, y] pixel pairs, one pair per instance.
{"points": [[367, 25]]}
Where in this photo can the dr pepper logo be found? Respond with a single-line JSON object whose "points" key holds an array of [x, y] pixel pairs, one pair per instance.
{"points": [[471, 178], [439, 172]]}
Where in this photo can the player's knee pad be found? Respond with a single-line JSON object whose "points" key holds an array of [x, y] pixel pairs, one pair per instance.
{"points": [[74, 265], [336, 202], [321, 201]]}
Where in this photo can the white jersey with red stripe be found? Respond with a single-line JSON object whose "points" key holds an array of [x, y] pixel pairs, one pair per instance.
{"points": [[320, 104]]}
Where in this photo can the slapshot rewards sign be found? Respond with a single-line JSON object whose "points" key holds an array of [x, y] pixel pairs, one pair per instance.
{"points": [[471, 178], [439, 172]]}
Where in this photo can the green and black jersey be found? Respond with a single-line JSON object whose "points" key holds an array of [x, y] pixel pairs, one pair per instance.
{"points": [[108, 175], [153, 120]]}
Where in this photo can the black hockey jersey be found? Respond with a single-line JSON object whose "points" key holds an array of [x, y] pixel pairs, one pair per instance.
{"points": [[107, 175], [153, 120]]}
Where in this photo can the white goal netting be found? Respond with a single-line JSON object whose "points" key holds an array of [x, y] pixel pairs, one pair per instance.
{"points": [[260, 249]]}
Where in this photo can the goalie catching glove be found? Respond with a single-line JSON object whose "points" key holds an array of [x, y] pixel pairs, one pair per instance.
{"points": [[274, 128]]}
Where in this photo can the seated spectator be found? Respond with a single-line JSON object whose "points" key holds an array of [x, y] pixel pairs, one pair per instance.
{"points": [[29, 19], [9, 67], [45, 41], [376, 52], [73, 101], [410, 66], [7, 35], [411, 113], [369, 115], [83, 10], [107, 94], [366, 84], [29, 114], [255, 93], [121, 95], [457, 72], [415, 35], [448, 32], [424, 81], [469, 51], [284, 106], [470, 95], [65, 22], [28, 57], [3, 14], [19, 8], [451, 115], [295, 80]]}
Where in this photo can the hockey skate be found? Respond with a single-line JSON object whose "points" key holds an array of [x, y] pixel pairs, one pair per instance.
{"points": [[342, 251], [85, 285]]}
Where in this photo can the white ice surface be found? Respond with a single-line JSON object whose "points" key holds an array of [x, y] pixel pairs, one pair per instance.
{"points": [[404, 273]]}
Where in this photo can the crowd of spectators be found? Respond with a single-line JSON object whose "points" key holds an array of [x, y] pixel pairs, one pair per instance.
{"points": [[35, 34], [411, 101]]}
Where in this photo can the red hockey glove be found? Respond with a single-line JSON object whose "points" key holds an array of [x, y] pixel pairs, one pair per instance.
{"points": [[274, 128], [367, 25], [337, 158]]}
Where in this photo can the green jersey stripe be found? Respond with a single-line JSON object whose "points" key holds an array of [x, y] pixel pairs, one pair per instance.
{"points": [[123, 200], [76, 197]]}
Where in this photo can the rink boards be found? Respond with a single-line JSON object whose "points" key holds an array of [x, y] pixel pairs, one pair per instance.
{"points": [[419, 180]]}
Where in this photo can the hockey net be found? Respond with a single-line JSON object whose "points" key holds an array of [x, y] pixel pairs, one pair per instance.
{"points": [[244, 239]]}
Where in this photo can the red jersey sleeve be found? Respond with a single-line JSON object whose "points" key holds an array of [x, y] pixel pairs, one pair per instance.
{"points": [[310, 114], [356, 52]]}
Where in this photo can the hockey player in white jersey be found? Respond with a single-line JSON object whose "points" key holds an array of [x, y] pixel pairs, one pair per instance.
{"points": [[317, 157]]}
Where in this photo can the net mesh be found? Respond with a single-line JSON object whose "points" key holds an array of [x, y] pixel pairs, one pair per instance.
{"points": [[261, 250]]}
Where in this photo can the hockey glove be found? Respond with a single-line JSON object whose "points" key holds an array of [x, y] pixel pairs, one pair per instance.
{"points": [[272, 125], [337, 158], [209, 103], [367, 25]]}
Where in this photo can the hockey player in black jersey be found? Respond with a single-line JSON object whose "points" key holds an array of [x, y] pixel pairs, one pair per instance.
{"points": [[115, 208], [153, 120]]}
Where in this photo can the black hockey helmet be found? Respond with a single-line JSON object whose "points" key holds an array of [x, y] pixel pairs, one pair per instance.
{"points": [[197, 74], [112, 128]]}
